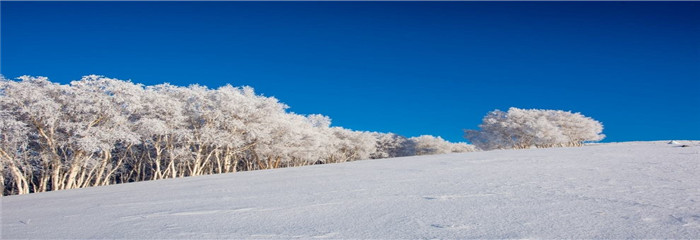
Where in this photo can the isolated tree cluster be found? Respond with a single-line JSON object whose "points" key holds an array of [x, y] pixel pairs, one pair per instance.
{"points": [[100, 131], [527, 128]]}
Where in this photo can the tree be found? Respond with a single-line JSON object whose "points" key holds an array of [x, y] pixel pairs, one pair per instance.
{"points": [[525, 128], [392, 145], [429, 145], [98, 131]]}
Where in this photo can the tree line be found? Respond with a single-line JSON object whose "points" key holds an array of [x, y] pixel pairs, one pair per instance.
{"points": [[99, 131]]}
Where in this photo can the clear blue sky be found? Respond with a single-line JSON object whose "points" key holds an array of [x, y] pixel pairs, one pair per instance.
{"points": [[406, 67]]}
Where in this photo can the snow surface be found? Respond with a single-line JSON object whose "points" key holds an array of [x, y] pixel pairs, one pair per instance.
{"points": [[616, 190]]}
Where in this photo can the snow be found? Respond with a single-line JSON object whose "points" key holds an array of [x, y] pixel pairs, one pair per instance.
{"points": [[614, 190]]}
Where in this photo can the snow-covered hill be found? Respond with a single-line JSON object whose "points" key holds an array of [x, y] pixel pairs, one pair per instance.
{"points": [[616, 190]]}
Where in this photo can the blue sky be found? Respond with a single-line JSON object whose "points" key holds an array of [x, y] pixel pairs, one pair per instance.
{"points": [[411, 68]]}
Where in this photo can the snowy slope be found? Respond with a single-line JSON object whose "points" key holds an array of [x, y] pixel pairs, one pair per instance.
{"points": [[617, 190]]}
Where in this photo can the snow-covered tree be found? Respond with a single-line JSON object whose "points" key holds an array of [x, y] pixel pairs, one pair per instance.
{"points": [[14, 155], [525, 128], [429, 145], [392, 145], [98, 131]]}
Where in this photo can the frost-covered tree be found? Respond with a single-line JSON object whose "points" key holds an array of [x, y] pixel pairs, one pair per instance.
{"points": [[525, 128], [347, 145], [429, 145], [14, 155], [38, 104], [98, 131], [392, 145]]}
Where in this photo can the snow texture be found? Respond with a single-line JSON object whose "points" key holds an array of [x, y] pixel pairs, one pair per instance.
{"points": [[615, 190]]}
